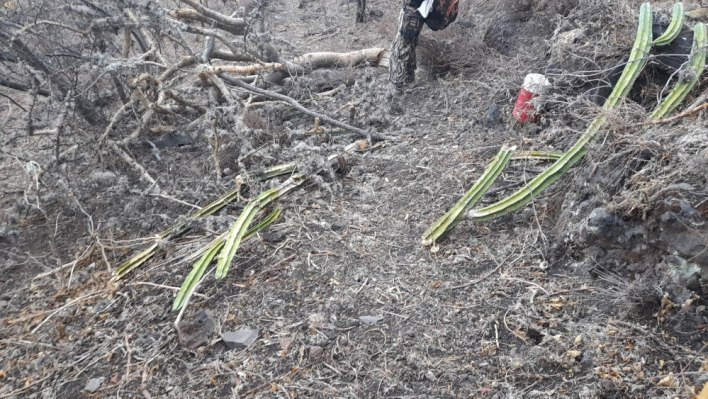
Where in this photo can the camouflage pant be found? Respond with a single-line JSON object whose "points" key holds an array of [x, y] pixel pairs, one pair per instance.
{"points": [[402, 63]]}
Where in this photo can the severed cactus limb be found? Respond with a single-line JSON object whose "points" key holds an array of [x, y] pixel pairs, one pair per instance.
{"points": [[689, 75], [145, 255], [277, 170], [637, 58], [674, 28], [137, 260], [240, 228], [209, 253], [538, 155], [453, 216], [524, 195]]}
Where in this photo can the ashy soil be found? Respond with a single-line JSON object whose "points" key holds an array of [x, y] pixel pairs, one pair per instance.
{"points": [[586, 293]]}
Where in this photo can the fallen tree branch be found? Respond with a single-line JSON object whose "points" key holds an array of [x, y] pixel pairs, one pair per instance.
{"points": [[22, 87], [130, 161], [223, 55], [684, 114], [307, 63], [358, 131], [216, 16], [193, 15], [332, 59]]}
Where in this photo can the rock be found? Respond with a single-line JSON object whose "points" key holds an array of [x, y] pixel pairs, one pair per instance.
{"points": [[370, 320], [604, 224], [376, 14], [94, 384], [198, 331], [316, 352], [493, 114], [240, 339], [3, 304]]}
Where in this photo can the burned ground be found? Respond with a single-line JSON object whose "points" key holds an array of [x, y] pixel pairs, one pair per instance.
{"points": [[579, 295]]}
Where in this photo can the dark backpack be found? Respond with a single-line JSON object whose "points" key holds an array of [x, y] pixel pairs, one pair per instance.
{"points": [[443, 13]]}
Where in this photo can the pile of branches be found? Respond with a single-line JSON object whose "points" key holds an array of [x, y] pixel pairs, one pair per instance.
{"points": [[118, 70]]}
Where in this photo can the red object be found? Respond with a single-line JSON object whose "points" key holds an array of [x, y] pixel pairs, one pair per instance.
{"points": [[524, 109]]}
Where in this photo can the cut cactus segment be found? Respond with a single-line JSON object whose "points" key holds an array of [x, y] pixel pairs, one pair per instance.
{"points": [[240, 228], [674, 28], [637, 58], [480, 187], [209, 253], [525, 194], [538, 155], [691, 75]]}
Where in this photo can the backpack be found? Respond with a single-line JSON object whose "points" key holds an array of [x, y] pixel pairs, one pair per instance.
{"points": [[443, 13]]}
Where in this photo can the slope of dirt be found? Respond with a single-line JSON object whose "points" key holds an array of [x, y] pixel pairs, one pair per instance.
{"points": [[346, 301]]}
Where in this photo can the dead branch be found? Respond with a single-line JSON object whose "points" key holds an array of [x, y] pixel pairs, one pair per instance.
{"points": [[132, 162], [694, 109], [151, 45], [209, 33], [307, 63], [208, 50], [246, 70], [216, 81], [331, 59], [236, 26], [187, 14], [360, 132], [22, 87], [127, 41], [222, 55]]}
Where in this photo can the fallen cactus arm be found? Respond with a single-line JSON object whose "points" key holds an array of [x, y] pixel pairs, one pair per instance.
{"points": [[525, 194], [692, 72], [539, 155], [453, 216], [217, 205], [145, 255], [137, 260], [181, 227], [637, 58], [674, 28], [240, 228], [173, 232], [209, 253], [277, 170]]}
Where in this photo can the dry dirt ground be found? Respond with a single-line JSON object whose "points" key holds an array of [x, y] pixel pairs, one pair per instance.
{"points": [[346, 301]]}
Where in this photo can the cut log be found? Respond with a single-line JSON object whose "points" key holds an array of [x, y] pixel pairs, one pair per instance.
{"points": [[307, 63]]}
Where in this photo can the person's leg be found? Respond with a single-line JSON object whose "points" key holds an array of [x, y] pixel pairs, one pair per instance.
{"points": [[402, 63]]}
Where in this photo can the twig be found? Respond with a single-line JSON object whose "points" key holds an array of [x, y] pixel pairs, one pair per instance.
{"points": [[570, 291], [25, 342], [360, 132], [16, 392], [514, 333], [683, 114], [130, 161], [64, 266], [479, 280], [162, 286], [60, 308], [527, 282], [289, 374], [645, 333]]}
